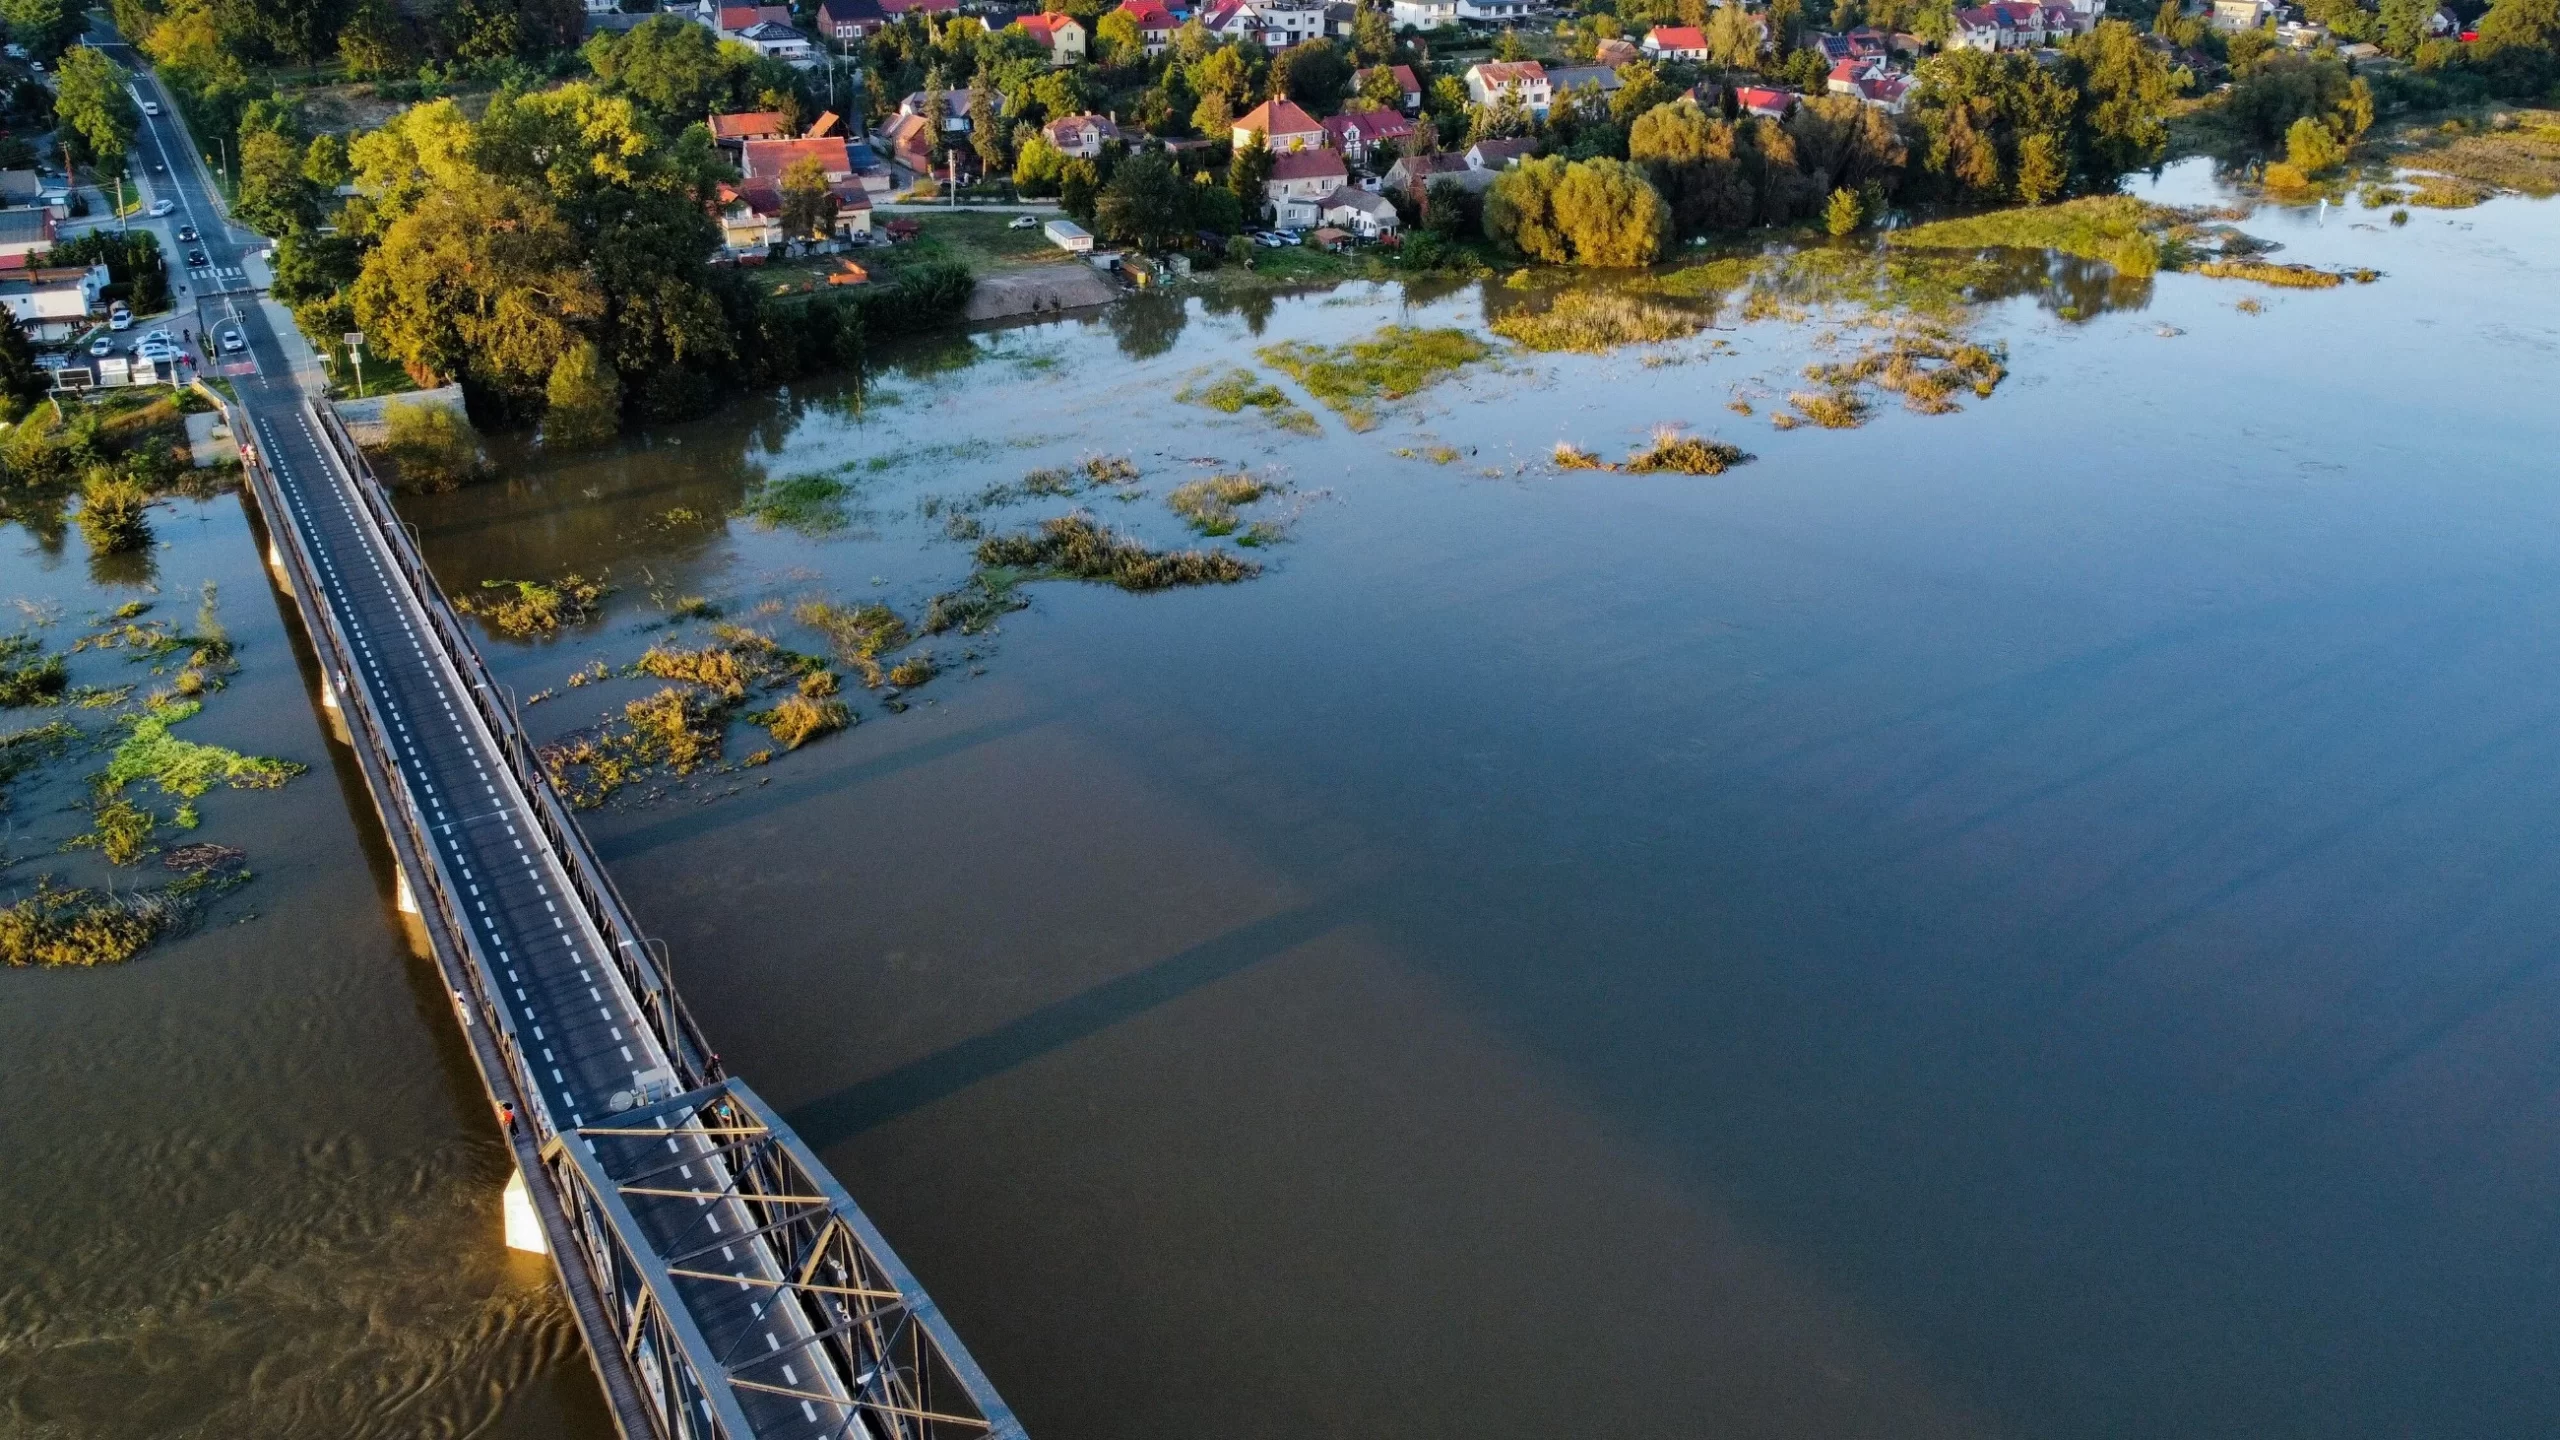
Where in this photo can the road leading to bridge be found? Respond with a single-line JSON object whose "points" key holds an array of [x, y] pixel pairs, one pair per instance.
{"points": [[726, 1284]]}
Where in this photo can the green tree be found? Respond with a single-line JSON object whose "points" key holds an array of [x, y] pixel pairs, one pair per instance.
{"points": [[20, 380], [1118, 38], [1144, 204], [1079, 188], [1843, 214], [1640, 88], [274, 196], [584, 399], [374, 42], [1380, 89], [1249, 174], [92, 102], [2125, 89], [2521, 25], [1038, 166], [1736, 38], [1312, 73], [986, 136], [675, 68], [2311, 147], [1508, 46], [1689, 156], [808, 202], [1373, 37], [1582, 212], [324, 163], [2043, 170], [112, 512], [45, 27]]}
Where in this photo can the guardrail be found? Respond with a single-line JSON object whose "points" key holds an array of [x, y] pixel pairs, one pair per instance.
{"points": [[892, 1365]]}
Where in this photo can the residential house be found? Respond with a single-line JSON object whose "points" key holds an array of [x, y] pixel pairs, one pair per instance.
{"points": [[1493, 12], [1276, 24], [765, 161], [1371, 217], [1423, 14], [1155, 23], [1284, 127], [910, 140], [1871, 83], [778, 42], [828, 123], [1414, 175], [1565, 79], [1675, 42], [1527, 79], [1408, 88], [847, 21], [1856, 45], [1614, 52], [1341, 17], [733, 130], [24, 233], [1298, 180], [1766, 101], [955, 110], [751, 216], [1358, 132], [1064, 37], [734, 21], [2011, 25], [897, 9], [1081, 136], [1499, 154], [2236, 15], [53, 303]]}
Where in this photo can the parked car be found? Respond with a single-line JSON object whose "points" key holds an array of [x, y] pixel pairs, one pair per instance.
{"points": [[186, 234], [163, 207], [102, 347], [162, 335], [153, 350], [1023, 222], [120, 318]]}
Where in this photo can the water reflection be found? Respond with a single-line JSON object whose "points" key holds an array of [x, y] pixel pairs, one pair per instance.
{"points": [[1145, 325]]}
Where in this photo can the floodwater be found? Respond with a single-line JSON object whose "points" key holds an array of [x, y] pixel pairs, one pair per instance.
{"points": [[2031, 922]]}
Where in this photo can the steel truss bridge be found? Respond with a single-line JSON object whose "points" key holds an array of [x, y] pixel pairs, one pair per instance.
{"points": [[725, 1283]]}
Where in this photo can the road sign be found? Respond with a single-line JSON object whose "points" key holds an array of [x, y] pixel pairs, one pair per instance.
{"points": [[355, 339]]}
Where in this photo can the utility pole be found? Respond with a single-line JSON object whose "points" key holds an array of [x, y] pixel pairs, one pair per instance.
{"points": [[355, 352]]}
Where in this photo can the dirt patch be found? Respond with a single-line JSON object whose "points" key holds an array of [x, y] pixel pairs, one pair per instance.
{"points": [[1038, 290], [346, 109]]}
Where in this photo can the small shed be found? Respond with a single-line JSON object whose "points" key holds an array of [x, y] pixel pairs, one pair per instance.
{"points": [[1069, 236], [1329, 238]]}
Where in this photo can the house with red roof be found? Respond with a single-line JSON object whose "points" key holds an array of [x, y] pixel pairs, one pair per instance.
{"points": [[1356, 133], [2002, 25], [1285, 127], [1155, 23], [1871, 83], [736, 20], [1408, 88], [897, 9], [732, 130], [1614, 52], [1064, 37], [1675, 42], [1767, 101], [750, 210], [1489, 82]]}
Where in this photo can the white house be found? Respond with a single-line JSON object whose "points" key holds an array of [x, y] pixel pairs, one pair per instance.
{"points": [[1424, 14], [778, 42], [1299, 180], [1675, 42], [1488, 82], [1371, 217], [1081, 137], [1276, 24], [54, 303], [1064, 37], [1494, 12]]}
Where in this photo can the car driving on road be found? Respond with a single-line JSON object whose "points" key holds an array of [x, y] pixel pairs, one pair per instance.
{"points": [[186, 233], [163, 207], [232, 344], [195, 257]]}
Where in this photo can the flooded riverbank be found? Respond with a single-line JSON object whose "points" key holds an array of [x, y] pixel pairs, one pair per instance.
{"points": [[2022, 921]]}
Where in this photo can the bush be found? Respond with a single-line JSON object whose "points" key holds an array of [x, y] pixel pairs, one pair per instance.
{"points": [[112, 509], [432, 447], [1579, 212], [585, 399]]}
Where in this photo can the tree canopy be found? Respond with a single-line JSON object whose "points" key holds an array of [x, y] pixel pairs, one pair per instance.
{"points": [[1577, 212]]}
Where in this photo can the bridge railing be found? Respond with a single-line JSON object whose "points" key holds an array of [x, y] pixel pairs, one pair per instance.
{"points": [[641, 959]]}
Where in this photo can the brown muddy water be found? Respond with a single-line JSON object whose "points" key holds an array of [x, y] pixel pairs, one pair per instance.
{"points": [[2030, 922]]}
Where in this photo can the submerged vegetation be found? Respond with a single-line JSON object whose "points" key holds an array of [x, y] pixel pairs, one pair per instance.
{"points": [[59, 925], [811, 504], [524, 609], [2120, 230], [1671, 452], [1399, 361], [1239, 390], [1209, 506], [1596, 321], [1077, 547], [2292, 277]]}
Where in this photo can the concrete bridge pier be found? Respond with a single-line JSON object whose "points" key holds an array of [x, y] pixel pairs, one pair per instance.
{"points": [[524, 1228]]}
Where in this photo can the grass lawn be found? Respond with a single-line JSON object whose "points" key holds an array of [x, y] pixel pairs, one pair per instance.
{"points": [[140, 414]]}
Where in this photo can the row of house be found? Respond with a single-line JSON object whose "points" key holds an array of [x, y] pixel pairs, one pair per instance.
{"points": [[51, 303], [2024, 24], [750, 209]]}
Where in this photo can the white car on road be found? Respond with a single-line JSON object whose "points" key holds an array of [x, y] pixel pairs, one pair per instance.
{"points": [[151, 107], [163, 207]]}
